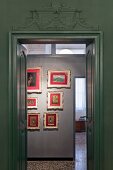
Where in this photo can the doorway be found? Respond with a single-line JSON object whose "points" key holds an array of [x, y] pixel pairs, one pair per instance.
{"points": [[80, 123], [54, 39]]}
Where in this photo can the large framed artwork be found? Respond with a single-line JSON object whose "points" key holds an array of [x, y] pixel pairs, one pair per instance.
{"points": [[50, 120], [34, 80], [55, 100], [59, 79], [33, 121], [32, 103]]}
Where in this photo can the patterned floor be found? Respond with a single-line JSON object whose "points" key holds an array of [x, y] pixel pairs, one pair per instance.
{"points": [[81, 153], [79, 164], [50, 165]]}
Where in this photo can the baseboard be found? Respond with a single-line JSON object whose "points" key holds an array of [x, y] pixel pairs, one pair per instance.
{"points": [[50, 159]]}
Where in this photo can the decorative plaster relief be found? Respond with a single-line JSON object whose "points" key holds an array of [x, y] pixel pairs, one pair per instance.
{"points": [[56, 18]]}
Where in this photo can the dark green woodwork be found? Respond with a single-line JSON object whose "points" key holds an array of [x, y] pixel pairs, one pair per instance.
{"points": [[94, 35], [97, 12], [90, 97], [17, 106], [21, 110]]}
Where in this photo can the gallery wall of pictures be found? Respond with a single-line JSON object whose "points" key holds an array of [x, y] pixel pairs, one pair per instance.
{"points": [[55, 99], [50, 106]]}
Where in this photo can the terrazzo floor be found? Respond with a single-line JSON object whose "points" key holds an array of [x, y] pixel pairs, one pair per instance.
{"points": [[80, 158], [50, 165], [81, 153]]}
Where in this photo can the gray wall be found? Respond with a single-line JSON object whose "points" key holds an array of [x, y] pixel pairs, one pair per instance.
{"points": [[55, 143]]}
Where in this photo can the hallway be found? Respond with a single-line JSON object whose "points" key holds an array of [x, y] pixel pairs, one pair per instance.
{"points": [[80, 163]]}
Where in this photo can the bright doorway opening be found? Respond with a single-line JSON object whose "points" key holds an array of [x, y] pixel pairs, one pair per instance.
{"points": [[64, 55]]}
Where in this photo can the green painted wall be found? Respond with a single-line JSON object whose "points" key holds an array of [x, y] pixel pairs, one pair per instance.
{"points": [[13, 13]]}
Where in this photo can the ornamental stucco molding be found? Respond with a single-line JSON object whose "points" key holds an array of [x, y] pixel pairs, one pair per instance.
{"points": [[56, 17]]}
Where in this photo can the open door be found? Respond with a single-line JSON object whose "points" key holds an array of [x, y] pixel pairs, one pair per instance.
{"points": [[90, 61], [17, 91], [21, 107]]}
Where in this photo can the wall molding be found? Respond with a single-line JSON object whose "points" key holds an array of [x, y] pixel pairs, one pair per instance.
{"points": [[57, 17]]}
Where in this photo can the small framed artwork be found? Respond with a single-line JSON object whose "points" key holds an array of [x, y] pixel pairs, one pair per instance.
{"points": [[59, 79], [55, 100], [34, 80], [51, 120], [33, 121], [32, 103]]}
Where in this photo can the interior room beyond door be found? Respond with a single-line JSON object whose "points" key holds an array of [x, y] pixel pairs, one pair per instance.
{"points": [[22, 149]]}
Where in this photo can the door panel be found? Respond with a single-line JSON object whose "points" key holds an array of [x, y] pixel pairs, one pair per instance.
{"points": [[90, 60], [21, 107]]}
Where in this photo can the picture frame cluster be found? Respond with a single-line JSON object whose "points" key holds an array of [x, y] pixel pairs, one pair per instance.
{"points": [[56, 80]]}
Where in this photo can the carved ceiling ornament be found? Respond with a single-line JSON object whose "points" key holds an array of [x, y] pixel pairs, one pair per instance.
{"points": [[56, 18]]}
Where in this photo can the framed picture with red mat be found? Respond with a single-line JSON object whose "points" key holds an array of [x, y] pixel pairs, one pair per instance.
{"points": [[32, 103], [50, 120], [33, 121], [34, 80], [59, 79], [55, 100]]}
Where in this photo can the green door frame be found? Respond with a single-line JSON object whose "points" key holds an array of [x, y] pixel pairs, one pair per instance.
{"points": [[98, 104]]}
